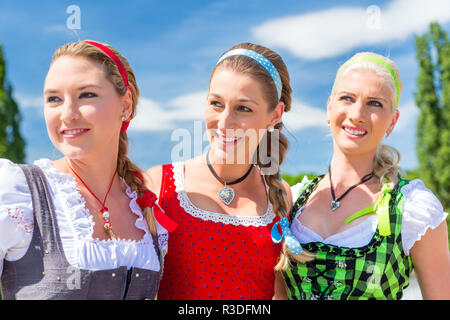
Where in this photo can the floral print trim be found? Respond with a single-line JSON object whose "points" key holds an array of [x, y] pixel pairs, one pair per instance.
{"points": [[20, 219]]}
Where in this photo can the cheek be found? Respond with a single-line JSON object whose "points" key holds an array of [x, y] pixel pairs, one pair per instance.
{"points": [[51, 117]]}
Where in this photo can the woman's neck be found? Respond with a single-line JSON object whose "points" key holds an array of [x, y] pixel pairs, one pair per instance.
{"points": [[96, 173], [346, 170], [227, 171]]}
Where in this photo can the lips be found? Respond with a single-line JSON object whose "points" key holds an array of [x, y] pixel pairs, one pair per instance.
{"points": [[354, 132], [73, 133], [226, 141]]}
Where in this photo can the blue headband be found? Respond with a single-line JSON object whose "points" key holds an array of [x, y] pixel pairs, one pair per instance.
{"points": [[263, 61]]}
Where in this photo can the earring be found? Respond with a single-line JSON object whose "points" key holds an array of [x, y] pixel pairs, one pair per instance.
{"points": [[328, 124], [270, 128], [124, 117]]}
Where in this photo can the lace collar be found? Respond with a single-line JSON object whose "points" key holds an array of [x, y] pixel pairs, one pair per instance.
{"points": [[73, 205], [190, 208]]}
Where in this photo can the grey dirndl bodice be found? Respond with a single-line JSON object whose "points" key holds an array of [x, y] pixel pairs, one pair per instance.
{"points": [[44, 272]]}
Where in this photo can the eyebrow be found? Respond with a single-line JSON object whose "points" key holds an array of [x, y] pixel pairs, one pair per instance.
{"points": [[84, 86], [352, 94], [240, 100]]}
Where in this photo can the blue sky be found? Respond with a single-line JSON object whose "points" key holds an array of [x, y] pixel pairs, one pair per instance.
{"points": [[173, 46]]}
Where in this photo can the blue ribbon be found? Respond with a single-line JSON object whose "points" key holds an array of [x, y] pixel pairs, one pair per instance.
{"points": [[263, 61], [291, 241]]}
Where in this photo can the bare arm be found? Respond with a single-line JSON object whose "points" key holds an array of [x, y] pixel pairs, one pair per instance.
{"points": [[153, 179], [431, 260], [280, 288], [288, 192]]}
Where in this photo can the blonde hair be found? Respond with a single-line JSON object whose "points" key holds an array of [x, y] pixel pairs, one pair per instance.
{"points": [[246, 65], [387, 159], [126, 168]]}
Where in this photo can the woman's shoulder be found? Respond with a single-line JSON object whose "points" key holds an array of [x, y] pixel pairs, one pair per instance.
{"points": [[298, 188], [16, 209], [154, 177], [12, 179], [415, 191], [421, 210]]}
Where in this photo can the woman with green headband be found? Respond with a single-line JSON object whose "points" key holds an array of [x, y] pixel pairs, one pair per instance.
{"points": [[367, 226]]}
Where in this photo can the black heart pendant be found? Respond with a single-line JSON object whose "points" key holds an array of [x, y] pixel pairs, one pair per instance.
{"points": [[226, 195], [335, 205]]}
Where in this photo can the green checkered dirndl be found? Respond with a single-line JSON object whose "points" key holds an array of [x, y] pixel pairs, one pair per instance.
{"points": [[379, 270]]}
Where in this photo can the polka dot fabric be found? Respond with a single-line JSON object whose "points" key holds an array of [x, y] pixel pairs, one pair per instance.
{"points": [[214, 260], [263, 61]]}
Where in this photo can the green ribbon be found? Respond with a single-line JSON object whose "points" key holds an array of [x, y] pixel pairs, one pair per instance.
{"points": [[381, 209], [360, 213]]}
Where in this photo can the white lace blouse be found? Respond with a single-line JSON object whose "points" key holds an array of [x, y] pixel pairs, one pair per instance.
{"points": [[422, 210], [74, 221]]}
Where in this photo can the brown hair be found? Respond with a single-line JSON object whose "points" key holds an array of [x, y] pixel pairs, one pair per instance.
{"points": [[247, 65], [126, 168]]}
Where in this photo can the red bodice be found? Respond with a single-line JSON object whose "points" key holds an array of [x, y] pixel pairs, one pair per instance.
{"points": [[212, 255]]}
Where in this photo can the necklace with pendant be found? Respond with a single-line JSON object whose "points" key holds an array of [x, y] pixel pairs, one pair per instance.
{"points": [[104, 210], [335, 203], [226, 194]]}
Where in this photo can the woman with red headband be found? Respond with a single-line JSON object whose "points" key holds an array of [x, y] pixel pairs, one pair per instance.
{"points": [[83, 226], [224, 206]]}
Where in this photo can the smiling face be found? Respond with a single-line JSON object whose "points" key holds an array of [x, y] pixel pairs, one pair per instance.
{"points": [[237, 115], [82, 107], [360, 112]]}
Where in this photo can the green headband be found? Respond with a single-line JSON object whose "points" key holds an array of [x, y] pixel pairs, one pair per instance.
{"points": [[384, 64]]}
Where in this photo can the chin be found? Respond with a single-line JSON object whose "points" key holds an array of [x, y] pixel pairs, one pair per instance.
{"points": [[72, 152]]}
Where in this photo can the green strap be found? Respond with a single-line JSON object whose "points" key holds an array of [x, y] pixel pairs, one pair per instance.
{"points": [[382, 210], [360, 213]]}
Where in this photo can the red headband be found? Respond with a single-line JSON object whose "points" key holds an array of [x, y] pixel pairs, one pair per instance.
{"points": [[121, 68]]}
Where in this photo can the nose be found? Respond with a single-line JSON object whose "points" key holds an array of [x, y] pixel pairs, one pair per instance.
{"points": [[226, 120], [69, 110], [357, 111]]}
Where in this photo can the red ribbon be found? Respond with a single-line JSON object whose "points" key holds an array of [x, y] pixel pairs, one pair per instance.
{"points": [[122, 71], [124, 127], [114, 58], [148, 200]]}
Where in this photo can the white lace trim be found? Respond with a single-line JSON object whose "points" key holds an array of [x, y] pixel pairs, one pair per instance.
{"points": [[188, 206], [79, 215]]}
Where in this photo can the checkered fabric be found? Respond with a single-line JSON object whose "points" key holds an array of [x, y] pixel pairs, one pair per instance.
{"points": [[379, 270]]}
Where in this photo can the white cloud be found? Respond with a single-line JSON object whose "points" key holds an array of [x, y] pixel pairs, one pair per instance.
{"points": [[408, 116], [153, 116], [332, 32], [303, 116], [29, 102]]}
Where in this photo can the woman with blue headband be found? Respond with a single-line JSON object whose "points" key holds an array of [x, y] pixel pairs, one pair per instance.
{"points": [[226, 201], [367, 226]]}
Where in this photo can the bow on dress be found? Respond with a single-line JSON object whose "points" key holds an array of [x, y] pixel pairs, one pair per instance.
{"points": [[291, 241], [148, 200]]}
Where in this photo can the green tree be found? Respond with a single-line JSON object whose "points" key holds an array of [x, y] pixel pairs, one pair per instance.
{"points": [[433, 99], [12, 145]]}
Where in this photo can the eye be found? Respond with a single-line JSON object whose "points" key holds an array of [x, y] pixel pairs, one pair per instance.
{"points": [[216, 104], [244, 109], [88, 95], [346, 99], [53, 99], [375, 103]]}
